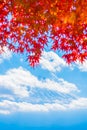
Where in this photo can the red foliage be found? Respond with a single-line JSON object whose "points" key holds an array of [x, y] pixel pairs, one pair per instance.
{"points": [[25, 26]]}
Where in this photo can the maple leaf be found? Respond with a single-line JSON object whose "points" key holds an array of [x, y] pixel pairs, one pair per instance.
{"points": [[32, 22]]}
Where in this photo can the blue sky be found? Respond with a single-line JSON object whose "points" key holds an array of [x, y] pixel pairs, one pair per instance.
{"points": [[51, 96]]}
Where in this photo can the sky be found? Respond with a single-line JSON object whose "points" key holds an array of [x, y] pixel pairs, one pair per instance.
{"points": [[51, 96]]}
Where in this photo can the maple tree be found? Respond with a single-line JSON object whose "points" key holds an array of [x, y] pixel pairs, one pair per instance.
{"points": [[27, 25]]}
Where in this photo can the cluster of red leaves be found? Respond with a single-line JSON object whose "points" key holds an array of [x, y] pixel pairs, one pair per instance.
{"points": [[25, 24]]}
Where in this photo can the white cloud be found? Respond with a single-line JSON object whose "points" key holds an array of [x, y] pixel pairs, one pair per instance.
{"points": [[52, 62], [60, 86], [80, 103], [7, 107], [7, 96], [5, 112], [82, 66], [5, 55], [18, 81]]}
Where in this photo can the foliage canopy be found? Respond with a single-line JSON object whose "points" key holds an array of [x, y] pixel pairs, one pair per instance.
{"points": [[27, 25]]}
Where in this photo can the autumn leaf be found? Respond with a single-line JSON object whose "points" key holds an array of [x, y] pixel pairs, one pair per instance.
{"points": [[33, 22]]}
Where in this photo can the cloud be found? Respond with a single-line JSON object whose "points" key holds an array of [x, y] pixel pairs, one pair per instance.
{"points": [[24, 92], [6, 96], [80, 103], [82, 66], [52, 62], [6, 55], [8, 107], [4, 112], [19, 81]]}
